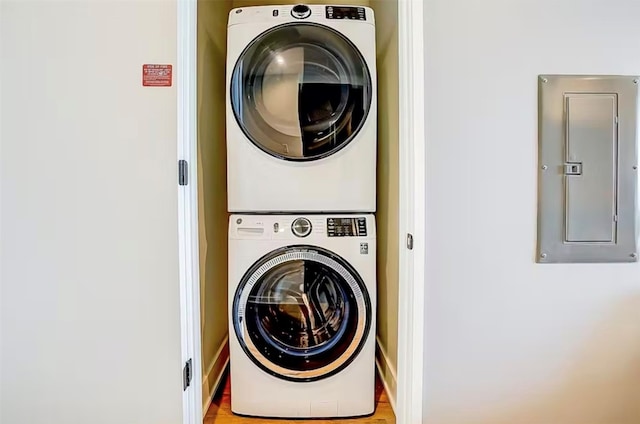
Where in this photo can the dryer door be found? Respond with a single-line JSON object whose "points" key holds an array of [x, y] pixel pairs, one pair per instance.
{"points": [[301, 91], [302, 313]]}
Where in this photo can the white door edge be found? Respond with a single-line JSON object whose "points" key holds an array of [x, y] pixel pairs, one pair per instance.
{"points": [[412, 213], [412, 216], [188, 250]]}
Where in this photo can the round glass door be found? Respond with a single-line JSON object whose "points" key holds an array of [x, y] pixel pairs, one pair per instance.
{"points": [[301, 91], [301, 313]]}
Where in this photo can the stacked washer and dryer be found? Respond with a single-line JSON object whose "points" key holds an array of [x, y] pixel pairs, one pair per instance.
{"points": [[301, 171]]}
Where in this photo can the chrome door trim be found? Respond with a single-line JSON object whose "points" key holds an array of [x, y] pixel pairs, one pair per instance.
{"points": [[307, 253]]}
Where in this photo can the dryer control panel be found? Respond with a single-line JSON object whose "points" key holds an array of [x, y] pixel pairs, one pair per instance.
{"points": [[346, 12], [346, 227]]}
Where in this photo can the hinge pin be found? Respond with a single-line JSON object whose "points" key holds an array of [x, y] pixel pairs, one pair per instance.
{"points": [[187, 374], [409, 241], [183, 172]]}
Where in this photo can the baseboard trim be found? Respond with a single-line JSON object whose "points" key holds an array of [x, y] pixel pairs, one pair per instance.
{"points": [[214, 372], [389, 383]]}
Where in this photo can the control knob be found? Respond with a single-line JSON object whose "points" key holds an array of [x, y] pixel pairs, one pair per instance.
{"points": [[301, 227], [300, 11]]}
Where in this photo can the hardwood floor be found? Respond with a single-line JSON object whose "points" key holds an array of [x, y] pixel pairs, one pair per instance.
{"points": [[220, 411]]}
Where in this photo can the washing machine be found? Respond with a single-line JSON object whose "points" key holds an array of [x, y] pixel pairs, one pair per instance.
{"points": [[302, 300], [301, 109]]}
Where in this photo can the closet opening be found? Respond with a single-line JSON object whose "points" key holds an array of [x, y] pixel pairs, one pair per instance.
{"points": [[213, 215]]}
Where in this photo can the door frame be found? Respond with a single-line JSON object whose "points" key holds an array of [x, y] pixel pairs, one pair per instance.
{"points": [[412, 213], [188, 242]]}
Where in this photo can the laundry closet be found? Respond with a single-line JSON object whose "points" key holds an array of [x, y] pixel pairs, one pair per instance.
{"points": [[212, 185]]}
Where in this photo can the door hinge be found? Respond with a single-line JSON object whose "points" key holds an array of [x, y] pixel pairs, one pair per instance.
{"points": [[187, 372], [409, 241], [183, 172]]}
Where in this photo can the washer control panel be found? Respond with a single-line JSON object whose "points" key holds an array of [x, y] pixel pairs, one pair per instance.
{"points": [[346, 12], [347, 227]]}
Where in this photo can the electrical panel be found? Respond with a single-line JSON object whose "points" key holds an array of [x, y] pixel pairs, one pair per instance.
{"points": [[588, 169]]}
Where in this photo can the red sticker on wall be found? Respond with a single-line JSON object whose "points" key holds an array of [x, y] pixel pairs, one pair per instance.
{"points": [[156, 75]]}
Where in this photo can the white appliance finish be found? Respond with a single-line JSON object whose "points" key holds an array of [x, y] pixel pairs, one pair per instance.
{"points": [[317, 84], [276, 390]]}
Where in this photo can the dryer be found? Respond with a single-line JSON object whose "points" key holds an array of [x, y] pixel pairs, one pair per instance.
{"points": [[302, 299], [301, 109]]}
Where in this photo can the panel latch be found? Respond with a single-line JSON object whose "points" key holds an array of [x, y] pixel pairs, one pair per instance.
{"points": [[573, 168]]}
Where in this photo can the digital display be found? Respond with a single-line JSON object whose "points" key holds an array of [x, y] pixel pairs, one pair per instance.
{"points": [[346, 227], [343, 12]]}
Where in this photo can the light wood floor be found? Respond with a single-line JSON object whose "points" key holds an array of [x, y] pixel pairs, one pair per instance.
{"points": [[220, 411]]}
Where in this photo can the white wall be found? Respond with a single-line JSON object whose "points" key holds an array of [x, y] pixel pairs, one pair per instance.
{"points": [[90, 295], [507, 340]]}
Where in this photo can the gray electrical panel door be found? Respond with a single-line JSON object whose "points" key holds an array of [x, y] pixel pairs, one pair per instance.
{"points": [[587, 168]]}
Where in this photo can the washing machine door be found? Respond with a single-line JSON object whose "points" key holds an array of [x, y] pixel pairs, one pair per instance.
{"points": [[301, 91], [301, 313]]}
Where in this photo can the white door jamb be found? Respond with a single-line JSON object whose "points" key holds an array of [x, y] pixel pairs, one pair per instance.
{"points": [[412, 214], [186, 81]]}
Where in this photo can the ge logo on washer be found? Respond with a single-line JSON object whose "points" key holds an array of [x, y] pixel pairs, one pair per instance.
{"points": [[364, 248]]}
